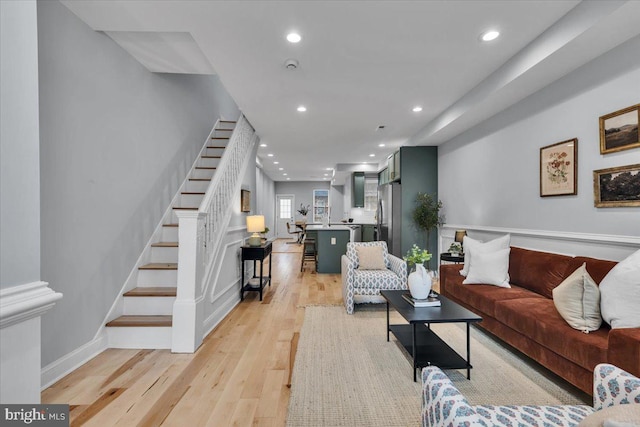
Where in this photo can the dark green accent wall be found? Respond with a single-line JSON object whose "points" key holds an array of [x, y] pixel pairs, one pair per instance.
{"points": [[419, 173]]}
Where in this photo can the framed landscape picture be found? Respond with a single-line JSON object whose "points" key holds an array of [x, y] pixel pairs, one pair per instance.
{"points": [[559, 169], [619, 130], [245, 201], [617, 187]]}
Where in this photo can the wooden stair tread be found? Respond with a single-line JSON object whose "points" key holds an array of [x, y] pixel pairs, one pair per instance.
{"points": [[159, 266], [185, 208], [221, 147], [227, 121], [205, 167], [211, 157], [165, 245], [156, 291], [192, 193], [199, 179], [171, 224], [133, 321], [218, 137]]}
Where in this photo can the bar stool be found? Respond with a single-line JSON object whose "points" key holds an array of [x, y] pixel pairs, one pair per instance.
{"points": [[309, 252]]}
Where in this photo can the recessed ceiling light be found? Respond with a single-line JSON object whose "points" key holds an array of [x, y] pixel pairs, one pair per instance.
{"points": [[417, 109], [329, 169], [302, 108], [288, 179], [280, 169], [270, 155], [380, 145], [293, 37], [487, 36], [276, 163], [263, 145], [326, 174], [372, 155], [284, 174]]}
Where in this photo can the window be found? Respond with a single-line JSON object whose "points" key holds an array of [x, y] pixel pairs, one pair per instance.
{"points": [[320, 204], [285, 209]]}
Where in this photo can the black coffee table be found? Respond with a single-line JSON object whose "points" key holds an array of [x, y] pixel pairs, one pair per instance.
{"points": [[420, 341]]}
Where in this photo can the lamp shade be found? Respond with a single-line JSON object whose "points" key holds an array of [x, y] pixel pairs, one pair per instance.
{"points": [[460, 235], [255, 223]]}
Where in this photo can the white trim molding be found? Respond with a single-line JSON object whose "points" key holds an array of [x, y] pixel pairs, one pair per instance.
{"points": [[23, 302]]}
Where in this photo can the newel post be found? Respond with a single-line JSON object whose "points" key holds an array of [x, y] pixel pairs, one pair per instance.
{"points": [[187, 310]]}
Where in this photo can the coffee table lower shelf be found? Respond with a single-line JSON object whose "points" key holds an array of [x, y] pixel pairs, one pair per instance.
{"points": [[430, 348]]}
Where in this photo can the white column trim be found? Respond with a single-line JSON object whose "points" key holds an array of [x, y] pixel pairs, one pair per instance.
{"points": [[23, 302], [632, 241]]}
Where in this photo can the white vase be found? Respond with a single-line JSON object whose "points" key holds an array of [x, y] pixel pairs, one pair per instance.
{"points": [[419, 282]]}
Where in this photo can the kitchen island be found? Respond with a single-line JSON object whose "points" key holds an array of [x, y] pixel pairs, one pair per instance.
{"points": [[331, 244]]}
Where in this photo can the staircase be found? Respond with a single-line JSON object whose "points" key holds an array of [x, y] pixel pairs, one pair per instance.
{"points": [[147, 309]]}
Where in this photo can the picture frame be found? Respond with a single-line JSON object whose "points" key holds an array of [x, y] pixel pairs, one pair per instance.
{"points": [[559, 169], [245, 201], [617, 187], [619, 130]]}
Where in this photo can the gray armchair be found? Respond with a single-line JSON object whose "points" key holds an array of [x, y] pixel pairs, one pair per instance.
{"points": [[357, 282]]}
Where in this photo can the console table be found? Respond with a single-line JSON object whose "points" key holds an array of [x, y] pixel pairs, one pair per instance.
{"points": [[256, 283]]}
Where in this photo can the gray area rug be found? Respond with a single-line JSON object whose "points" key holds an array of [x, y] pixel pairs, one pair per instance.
{"points": [[347, 374]]}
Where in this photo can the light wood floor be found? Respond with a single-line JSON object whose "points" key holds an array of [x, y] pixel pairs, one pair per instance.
{"points": [[237, 377]]}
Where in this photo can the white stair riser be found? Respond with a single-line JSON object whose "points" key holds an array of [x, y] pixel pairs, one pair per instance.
{"points": [[209, 162], [191, 199], [169, 234], [223, 131], [157, 277], [164, 254], [139, 337], [197, 186], [174, 217], [141, 306], [202, 173]]}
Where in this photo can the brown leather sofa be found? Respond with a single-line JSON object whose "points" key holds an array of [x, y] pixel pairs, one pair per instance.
{"points": [[525, 316]]}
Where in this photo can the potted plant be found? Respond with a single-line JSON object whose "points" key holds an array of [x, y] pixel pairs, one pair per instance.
{"points": [[455, 249], [426, 214], [419, 279], [304, 210]]}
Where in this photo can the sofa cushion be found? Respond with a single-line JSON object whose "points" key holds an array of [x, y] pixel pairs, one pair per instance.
{"points": [[620, 294], [353, 255], [538, 271], [538, 319], [490, 268], [484, 297], [577, 299], [376, 279], [472, 246]]}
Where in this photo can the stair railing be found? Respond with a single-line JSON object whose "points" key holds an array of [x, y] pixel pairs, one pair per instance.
{"points": [[201, 234]]}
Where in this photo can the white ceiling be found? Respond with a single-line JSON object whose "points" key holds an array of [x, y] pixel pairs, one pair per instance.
{"points": [[364, 64]]}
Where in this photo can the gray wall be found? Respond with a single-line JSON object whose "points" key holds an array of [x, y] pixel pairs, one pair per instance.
{"points": [[19, 146], [116, 142], [266, 200], [303, 192], [489, 176]]}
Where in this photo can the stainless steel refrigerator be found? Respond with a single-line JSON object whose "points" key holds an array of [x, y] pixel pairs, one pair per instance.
{"points": [[389, 216]]}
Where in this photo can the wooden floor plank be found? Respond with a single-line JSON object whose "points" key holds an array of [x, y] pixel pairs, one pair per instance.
{"points": [[238, 376]]}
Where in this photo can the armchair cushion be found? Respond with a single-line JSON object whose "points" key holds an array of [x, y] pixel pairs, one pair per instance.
{"points": [[352, 252], [370, 258]]}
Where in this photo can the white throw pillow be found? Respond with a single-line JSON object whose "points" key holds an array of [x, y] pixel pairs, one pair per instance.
{"points": [[620, 294], [489, 268], [370, 258], [471, 245], [577, 299]]}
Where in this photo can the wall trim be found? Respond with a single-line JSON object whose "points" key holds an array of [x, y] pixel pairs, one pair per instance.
{"points": [[617, 240], [222, 311], [68, 363], [220, 258], [23, 302]]}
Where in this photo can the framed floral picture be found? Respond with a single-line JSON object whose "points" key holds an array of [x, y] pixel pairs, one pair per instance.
{"points": [[617, 187], [619, 130], [559, 169]]}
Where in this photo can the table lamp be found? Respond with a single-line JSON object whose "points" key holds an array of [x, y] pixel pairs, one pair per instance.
{"points": [[255, 225], [460, 237]]}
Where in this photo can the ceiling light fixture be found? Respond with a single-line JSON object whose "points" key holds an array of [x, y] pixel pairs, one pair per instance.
{"points": [[288, 179], [487, 36], [372, 155], [302, 108], [280, 169], [380, 145], [329, 169], [293, 37], [270, 155], [263, 145], [276, 163], [417, 109], [284, 174]]}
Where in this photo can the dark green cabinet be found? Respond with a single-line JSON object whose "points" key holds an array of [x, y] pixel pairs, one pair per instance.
{"points": [[358, 190]]}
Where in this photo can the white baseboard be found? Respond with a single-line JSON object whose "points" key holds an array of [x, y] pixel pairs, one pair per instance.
{"points": [[65, 365], [223, 308]]}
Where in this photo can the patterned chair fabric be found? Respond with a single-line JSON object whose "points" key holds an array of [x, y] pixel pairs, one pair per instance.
{"points": [[370, 282], [444, 406]]}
